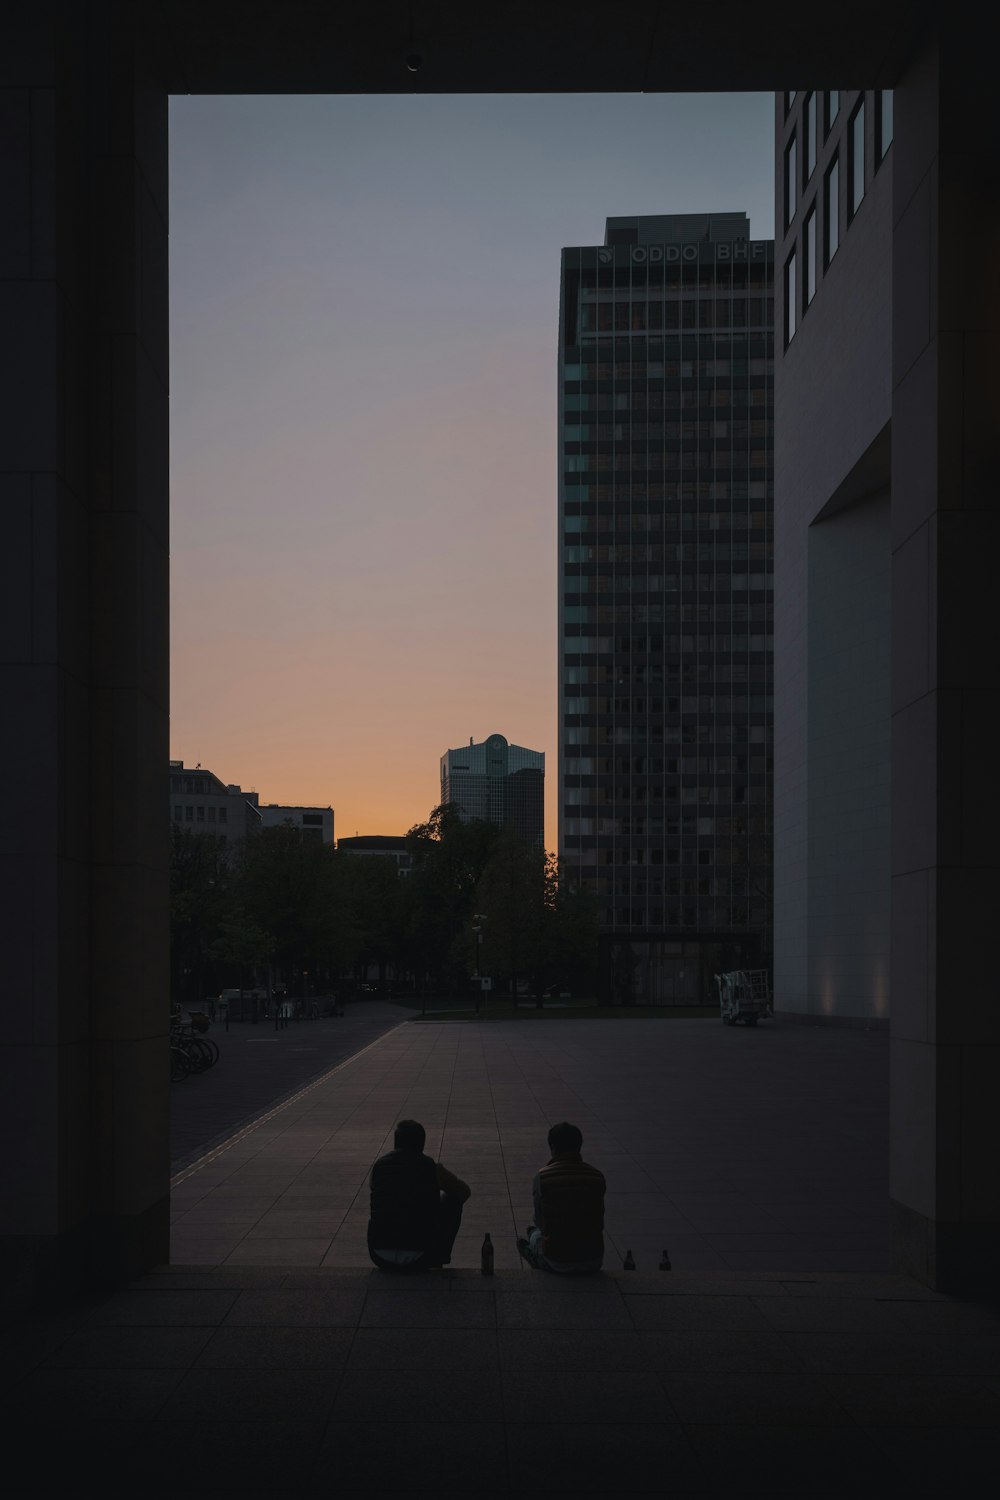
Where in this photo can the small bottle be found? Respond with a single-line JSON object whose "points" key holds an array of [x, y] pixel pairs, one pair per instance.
{"points": [[665, 1262], [629, 1261], [486, 1257]]}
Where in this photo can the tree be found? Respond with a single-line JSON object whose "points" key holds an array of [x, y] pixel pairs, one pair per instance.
{"points": [[447, 860], [201, 895], [289, 887], [512, 894], [572, 911], [375, 901]]}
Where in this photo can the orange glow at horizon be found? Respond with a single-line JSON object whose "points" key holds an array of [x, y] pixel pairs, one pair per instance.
{"points": [[364, 319]]}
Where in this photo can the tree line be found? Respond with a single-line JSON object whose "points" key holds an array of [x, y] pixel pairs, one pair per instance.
{"points": [[285, 911]]}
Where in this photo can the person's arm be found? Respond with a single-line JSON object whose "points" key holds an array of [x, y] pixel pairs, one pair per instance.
{"points": [[536, 1200], [452, 1185]]}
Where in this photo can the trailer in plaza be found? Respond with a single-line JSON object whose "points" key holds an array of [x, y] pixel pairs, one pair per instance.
{"points": [[744, 995]]}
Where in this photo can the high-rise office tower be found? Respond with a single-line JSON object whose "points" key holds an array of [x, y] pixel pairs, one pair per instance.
{"points": [[498, 782], [665, 597]]}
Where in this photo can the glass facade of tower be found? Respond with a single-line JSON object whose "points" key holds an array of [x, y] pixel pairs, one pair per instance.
{"points": [[498, 782], [665, 587]]}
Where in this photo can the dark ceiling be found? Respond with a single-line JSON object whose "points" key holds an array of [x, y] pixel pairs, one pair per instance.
{"points": [[301, 46]]}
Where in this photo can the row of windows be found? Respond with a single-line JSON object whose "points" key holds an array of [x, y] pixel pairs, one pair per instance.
{"points": [[620, 317], [686, 369], [753, 464], [810, 143], [579, 699], [584, 791], [653, 765], [642, 282], [642, 366], [621, 517], [656, 672], [672, 854], [801, 273], [638, 552], [197, 814], [721, 428], [595, 736]]}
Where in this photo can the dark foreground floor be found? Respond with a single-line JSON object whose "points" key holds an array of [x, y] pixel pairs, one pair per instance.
{"points": [[247, 1380]]}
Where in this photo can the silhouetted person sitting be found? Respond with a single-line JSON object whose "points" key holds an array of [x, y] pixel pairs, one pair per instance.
{"points": [[568, 1233], [416, 1206]]}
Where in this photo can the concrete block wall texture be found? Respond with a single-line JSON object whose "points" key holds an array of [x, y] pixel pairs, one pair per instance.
{"points": [[946, 818], [84, 659]]}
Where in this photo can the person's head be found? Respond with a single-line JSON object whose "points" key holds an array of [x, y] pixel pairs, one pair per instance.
{"points": [[410, 1136], [565, 1139]]}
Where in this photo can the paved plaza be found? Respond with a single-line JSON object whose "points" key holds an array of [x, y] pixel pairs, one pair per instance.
{"points": [[736, 1150], [259, 1066], [778, 1358]]}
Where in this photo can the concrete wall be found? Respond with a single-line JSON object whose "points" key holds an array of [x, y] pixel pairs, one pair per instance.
{"points": [[83, 654], [833, 393], [848, 756]]}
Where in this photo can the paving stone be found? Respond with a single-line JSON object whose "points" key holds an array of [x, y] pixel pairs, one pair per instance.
{"points": [[718, 1352], [169, 1307], [462, 1351], [129, 1349], [279, 1252], [446, 1457], [363, 1397], [596, 1458], [265, 1457], [244, 1395], [940, 1461], [953, 1401], [93, 1394], [586, 1396], [419, 1309], [539, 1350], [276, 1349], [295, 1308], [541, 1310], [724, 1399], [894, 1354], [694, 1312], [756, 1459]]}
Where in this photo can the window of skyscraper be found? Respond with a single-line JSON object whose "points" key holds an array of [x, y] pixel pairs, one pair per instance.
{"points": [[809, 249], [791, 298], [832, 107], [790, 181], [883, 118], [831, 211], [809, 135], [856, 159]]}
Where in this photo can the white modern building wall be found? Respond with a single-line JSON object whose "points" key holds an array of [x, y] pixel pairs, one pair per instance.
{"points": [[833, 400], [848, 755]]}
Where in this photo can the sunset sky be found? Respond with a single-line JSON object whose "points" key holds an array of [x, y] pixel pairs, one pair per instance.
{"points": [[364, 301]]}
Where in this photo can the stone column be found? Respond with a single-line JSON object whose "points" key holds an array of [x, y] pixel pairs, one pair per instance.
{"points": [[945, 1185], [83, 650]]}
